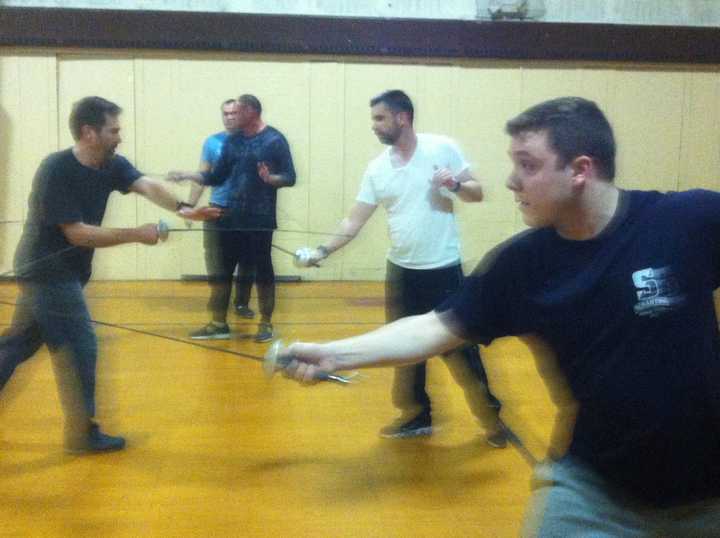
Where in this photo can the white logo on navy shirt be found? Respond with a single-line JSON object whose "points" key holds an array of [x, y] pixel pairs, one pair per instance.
{"points": [[658, 291]]}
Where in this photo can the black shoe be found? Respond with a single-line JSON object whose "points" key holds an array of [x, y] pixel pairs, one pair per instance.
{"points": [[265, 332], [403, 429], [212, 332], [94, 441], [497, 438], [244, 312]]}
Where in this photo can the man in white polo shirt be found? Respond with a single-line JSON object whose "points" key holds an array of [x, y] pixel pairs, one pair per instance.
{"points": [[416, 180]]}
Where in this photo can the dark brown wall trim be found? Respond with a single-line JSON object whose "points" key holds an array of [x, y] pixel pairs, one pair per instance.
{"points": [[43, 27]]}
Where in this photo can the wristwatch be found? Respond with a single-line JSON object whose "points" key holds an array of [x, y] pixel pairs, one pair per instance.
{"points": [[456, 187], [324, 252], [180, 205]]}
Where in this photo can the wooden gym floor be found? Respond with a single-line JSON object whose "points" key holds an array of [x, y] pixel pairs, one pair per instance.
{"points": [[216, 450]]}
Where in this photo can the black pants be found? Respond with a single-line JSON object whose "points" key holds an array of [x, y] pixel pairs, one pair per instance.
{"points": [[410, 292], [250, 251], [245, 275], [243, 285]]}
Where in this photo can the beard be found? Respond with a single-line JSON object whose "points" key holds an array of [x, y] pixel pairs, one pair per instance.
{"points": [[389, 138], [109, 152]]}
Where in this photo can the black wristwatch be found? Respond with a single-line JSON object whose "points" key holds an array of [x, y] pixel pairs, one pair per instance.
{"points": [[456, 187], [323, 251], [180, 205]]}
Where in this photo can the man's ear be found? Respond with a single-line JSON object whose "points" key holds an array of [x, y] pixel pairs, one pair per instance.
{"points": [[583, 167], [87, 132]]}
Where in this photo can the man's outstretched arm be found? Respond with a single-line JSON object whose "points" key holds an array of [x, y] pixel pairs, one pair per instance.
{"points": [[405, 341]]}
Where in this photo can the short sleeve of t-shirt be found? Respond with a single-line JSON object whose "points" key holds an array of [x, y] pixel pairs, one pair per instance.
{"points": [[212, 147], [221, 168], [123, 174], [367, 192], [282, 158], [702, 207], [208, 153], [489, 304], [452, 155]]}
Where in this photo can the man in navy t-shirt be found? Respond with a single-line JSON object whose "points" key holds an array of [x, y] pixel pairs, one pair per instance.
{"points": [[220, 197], [254, 163], [53, 261], [619, 286]]}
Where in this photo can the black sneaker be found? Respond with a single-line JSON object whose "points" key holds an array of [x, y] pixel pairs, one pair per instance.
{"points": [[264, 333], [244, 312], [497, 438], [94, 441], [403, 429], [212, 332]]}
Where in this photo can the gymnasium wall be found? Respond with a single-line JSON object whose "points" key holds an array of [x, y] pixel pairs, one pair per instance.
{"points": [[667, 122]]}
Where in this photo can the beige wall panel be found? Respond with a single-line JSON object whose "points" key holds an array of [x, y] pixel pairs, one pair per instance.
{"points": [[28, 107], [561, 80], [434, 105], [646, 112], [179, 102], [172, 123], [111, 77], [286, 98], [700, 163], [325, 193], [486, 96], [11, 184], [9, 237], [364, 258]]}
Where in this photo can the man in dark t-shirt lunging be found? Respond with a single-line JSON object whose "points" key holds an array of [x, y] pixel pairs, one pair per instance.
{"points": [[619, 285], [53, 261]]}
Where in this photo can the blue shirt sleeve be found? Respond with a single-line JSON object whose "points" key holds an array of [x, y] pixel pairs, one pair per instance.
{"points": [[206, 155], [222, 168]]}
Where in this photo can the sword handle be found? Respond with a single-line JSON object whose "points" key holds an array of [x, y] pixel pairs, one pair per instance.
{"points": [[163, 230]]}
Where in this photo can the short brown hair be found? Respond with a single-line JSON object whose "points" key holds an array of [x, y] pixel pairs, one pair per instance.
{"points": [[92, 111]]}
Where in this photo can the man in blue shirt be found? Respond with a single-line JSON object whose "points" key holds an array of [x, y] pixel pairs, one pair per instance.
{"points": [[220, 197], [619, 286]]}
